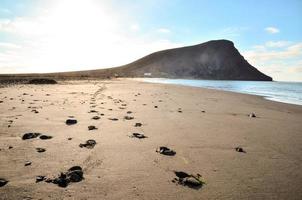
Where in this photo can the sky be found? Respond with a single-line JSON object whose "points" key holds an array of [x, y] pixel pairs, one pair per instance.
{"points": [[67, 35]]}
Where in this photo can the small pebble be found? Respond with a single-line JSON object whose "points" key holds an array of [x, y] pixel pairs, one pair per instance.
{"points": [[40, 178], [40, 150], [252, 115], [3, 182], [240, 149]]}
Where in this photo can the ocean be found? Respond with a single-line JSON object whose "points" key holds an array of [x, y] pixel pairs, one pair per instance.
{"points": [[286, 92]]}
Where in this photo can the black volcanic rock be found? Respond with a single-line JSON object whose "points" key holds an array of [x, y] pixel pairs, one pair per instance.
{"points": [[217, 59]]}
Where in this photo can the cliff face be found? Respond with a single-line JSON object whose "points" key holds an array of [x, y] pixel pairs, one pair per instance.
{"points": [[218, 60]]}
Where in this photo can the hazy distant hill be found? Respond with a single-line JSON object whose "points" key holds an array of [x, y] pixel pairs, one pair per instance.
{"points": [[217, 59]]}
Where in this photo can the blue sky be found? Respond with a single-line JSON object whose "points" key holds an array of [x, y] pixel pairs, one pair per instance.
{"points": [[64, 35]]}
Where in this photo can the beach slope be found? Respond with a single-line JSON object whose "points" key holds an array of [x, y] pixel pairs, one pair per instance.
{"points": [[202, 126]]}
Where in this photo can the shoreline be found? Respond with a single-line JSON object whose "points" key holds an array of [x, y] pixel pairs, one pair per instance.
{"points": [[267, 97], [203, 126]]}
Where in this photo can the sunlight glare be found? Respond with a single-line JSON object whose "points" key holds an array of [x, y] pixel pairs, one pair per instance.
{"points": [[76, 32]]}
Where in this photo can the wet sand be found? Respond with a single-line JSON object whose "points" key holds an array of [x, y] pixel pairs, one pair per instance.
{"points": [[202, 126]]}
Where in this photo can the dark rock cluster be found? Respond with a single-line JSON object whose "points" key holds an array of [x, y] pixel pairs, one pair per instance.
{"points": [[42, 81]]}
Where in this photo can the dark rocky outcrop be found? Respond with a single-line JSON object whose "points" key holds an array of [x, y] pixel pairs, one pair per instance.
{"points": [[42, 81]]}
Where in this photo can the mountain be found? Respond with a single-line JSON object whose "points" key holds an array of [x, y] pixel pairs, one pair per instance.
{"points": [[217, 60], [213, 60]]}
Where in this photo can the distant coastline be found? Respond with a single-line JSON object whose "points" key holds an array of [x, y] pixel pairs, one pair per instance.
{"points": [[284, 92]]}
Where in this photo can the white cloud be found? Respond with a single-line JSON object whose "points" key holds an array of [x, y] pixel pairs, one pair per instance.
{"points": [[284, 71], [277, 44], [60, 40], [297, 69], [278, 59], [296, 47], [134, 27], [263, 54], [272, 30], [7, 45], [163, 30], [271, 45]]}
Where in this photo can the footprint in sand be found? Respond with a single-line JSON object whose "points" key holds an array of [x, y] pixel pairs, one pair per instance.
{"points": [[128, 117], [165, 151], [95, 117], [89, 144], [137, 124], [35, 111], [138, 135], [189, 180], [91, 127]]}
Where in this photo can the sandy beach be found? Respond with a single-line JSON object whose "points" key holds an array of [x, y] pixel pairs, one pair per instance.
{"points": [[202, 126]]}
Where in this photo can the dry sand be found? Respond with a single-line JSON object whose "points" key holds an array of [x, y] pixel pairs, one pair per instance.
{"points": [[121, 167]]}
